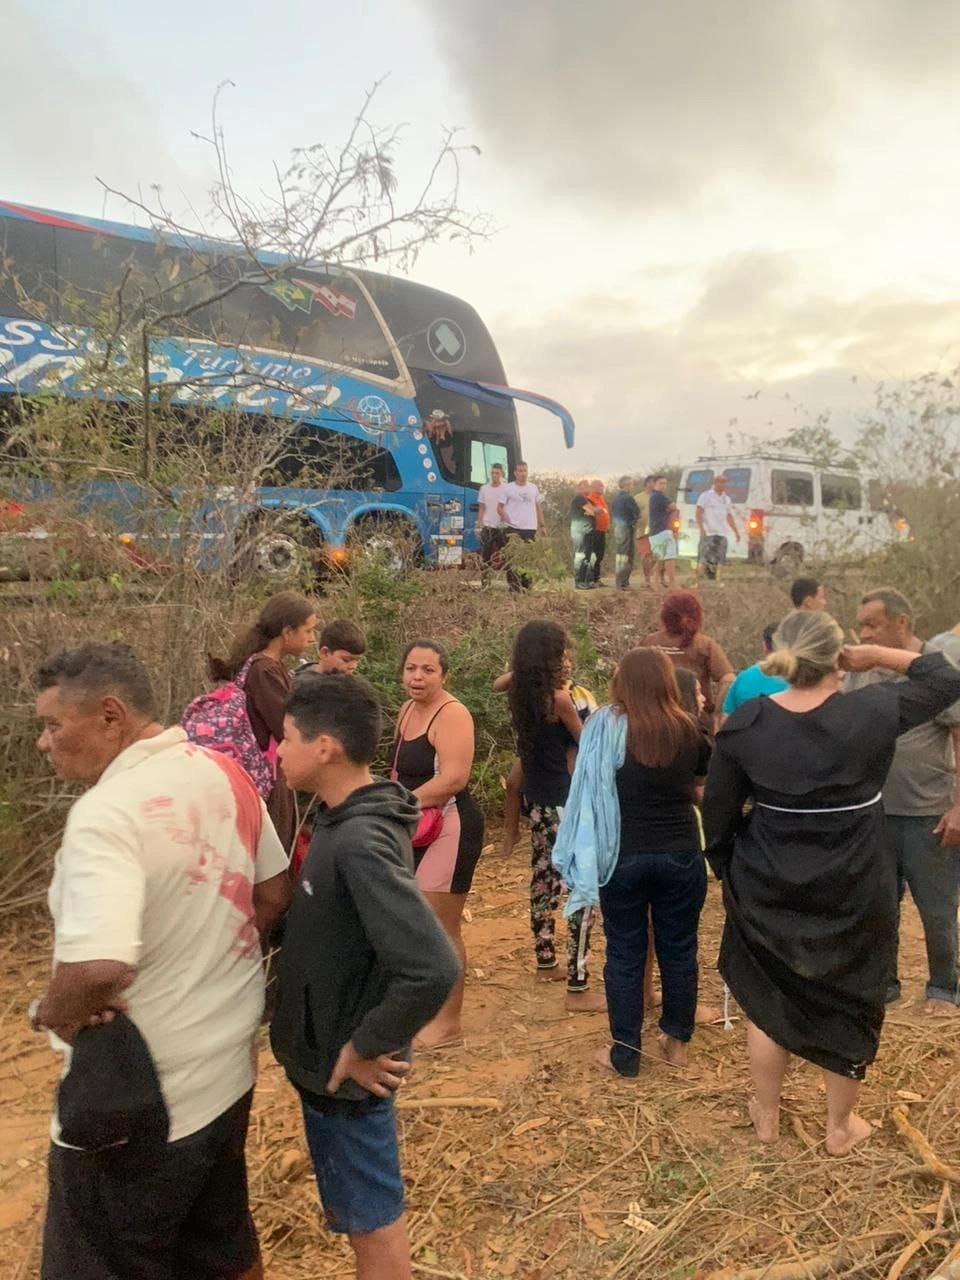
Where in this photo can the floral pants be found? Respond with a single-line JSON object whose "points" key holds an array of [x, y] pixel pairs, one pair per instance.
{"points": [[545, 888]]}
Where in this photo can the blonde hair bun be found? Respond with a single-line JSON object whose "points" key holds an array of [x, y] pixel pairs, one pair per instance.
{"points": [[805, 648]]}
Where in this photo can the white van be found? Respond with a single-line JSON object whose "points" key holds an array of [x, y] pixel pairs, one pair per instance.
{"points": [[790, 510]]}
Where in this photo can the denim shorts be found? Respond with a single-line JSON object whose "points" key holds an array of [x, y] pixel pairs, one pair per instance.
{"points": [[356, 1161], [663, 546]]}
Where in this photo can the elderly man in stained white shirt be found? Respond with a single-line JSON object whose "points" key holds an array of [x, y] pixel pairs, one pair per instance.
{"points": [[168, 875]]}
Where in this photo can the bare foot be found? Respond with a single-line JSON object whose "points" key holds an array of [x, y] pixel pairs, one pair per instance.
{"points": [[586, 1002], [940, 1009], [602, 1059], [840, 1142], [708, 1013], [766, 1123], [437, 1035], [673, 1051]]}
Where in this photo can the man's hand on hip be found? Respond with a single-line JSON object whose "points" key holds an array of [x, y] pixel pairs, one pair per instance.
{"points": [[379, 1076], [948, 828]]}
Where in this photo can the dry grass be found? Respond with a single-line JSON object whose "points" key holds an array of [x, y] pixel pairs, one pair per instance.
{"points": [[558, 1170], [563, 1171]]}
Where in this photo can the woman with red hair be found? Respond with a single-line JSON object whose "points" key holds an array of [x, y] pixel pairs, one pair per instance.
{"points": [[684, 642]]}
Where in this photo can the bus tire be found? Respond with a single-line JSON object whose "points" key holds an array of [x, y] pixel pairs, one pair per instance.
{"points": [[789, 559], [278, 551], [393, 538]]}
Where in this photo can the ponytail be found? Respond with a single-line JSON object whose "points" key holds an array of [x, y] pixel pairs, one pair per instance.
{"points": [[805, 648], [287, 609]]}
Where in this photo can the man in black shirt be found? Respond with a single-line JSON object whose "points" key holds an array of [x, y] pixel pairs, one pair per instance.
{"points": [[583, 521], [663, 542], [626, 515]]}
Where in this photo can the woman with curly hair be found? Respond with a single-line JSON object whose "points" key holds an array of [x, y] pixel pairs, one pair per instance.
{"points": [[684, 642], [547, 725]]}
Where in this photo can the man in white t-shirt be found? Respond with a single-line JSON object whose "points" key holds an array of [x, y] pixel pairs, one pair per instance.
{"points": [[521, 510], [168, 875], [714, 518], [490, 525]]}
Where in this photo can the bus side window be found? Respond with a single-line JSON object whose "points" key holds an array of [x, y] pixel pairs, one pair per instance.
{"points": [[27, 278]]}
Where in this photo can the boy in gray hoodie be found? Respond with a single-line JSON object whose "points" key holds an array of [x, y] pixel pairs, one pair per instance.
{"points": [[365, 964]]}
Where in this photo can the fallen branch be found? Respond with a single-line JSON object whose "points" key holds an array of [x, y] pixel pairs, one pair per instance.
{"points": [[465, 1103], [812, 1268], [910, 1252], [931, 1161]]}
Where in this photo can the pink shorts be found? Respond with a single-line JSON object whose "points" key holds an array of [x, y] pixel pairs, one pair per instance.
{"points": [[447, 865]]}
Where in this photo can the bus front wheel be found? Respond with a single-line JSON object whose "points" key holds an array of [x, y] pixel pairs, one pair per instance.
{"points": [[283, 551], [394, 540]]}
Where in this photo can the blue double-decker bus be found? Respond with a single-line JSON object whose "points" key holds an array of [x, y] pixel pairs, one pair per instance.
{"points": [[389, 396]]}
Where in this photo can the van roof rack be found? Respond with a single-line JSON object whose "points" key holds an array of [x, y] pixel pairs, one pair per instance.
{"points": [[763, 455]]}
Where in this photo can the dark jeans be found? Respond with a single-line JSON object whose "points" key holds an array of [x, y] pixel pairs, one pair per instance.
{"points": [[186, 1217], [519, 581], [673, 886], [581, 532], [932, 874], [491, 548], [625, 550], [598, 549], [712, 553]]}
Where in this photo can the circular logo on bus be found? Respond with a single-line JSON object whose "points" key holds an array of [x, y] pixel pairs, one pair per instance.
{"points": [[446, 341], [373, 414]]}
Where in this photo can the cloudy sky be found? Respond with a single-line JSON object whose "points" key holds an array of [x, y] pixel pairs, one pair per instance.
{"points": [[695, 201]]}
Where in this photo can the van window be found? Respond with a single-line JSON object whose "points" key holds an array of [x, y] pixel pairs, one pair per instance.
{"points": [[697, 482], [841, 493], [792, 488], [738, 483]]}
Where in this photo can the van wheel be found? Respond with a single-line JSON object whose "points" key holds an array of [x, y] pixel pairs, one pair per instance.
{"points": [[394, 540], [277, 551], [789, 559]]}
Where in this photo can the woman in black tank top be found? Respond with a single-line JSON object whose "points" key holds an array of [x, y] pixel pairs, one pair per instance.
{"points": [[433, 756]]}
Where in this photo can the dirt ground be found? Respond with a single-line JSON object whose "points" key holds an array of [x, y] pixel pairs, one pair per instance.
{"points": [[523, 1159]]}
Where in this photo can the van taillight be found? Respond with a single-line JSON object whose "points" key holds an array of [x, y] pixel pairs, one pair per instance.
{"points": [[755, 523]]}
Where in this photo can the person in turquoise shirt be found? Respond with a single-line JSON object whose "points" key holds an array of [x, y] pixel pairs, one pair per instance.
{"points": [[752, 682]]}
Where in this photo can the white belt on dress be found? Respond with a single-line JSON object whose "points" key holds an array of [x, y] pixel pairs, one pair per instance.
{"points": [[844, 808]]}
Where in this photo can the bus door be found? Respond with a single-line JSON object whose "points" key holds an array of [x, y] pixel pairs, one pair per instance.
{"points": [[487, 433]]}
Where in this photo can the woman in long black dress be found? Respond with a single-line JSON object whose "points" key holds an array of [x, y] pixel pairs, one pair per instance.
{"points": [[809, 879]]}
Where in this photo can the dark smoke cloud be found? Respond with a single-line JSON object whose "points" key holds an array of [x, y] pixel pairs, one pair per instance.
{"points": [[641, 102]]}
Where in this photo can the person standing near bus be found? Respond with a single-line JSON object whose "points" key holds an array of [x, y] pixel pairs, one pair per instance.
{"points": [[600, 526], [643, 527], [663, 542], [489, 521], [583, 518], [714, 518], [626, 516], [521, 510]]}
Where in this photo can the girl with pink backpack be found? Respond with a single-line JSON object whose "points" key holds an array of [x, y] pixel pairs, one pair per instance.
{"points": [[243, 718]]}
